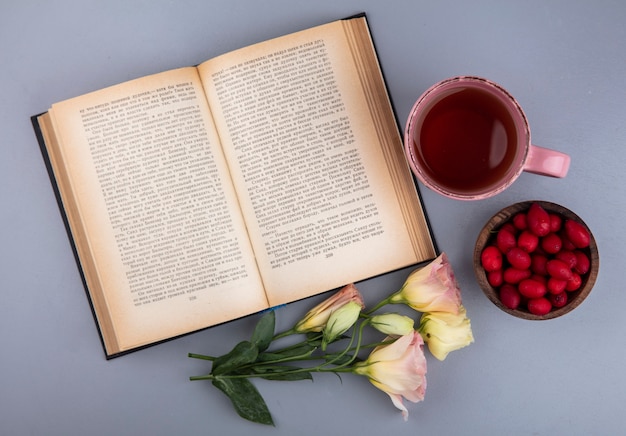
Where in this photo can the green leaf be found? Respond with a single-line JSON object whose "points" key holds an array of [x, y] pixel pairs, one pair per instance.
{"points": [[269, 357], [243, 353], [302, 351], [264, 331], [246, 399]]}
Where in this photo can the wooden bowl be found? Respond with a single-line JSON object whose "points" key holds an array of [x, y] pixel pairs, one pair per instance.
{"points": [[488, 234]]}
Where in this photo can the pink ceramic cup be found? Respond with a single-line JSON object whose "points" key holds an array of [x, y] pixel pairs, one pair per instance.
{"points": [[467, 138]]}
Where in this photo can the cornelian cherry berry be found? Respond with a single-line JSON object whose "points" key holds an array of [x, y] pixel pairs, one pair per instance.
{"points": [[577, 234], [509, 296], [551, 243], [539, 306], [495, 278], [582, 263], [558, 269], [555, 222], [513, 275], [491, 258], [568, 257], [573, 283], [531, 288], [518, 258], [538, 220], [538, 264], [556, 286], [558, 300], [527, 241], [505, 240], [519, 221]]}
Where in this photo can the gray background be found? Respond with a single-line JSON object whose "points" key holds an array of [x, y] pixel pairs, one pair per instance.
{"points": [[563, 60]]}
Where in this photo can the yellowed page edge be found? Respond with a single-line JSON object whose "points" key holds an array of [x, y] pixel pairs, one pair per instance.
{"points": [[99, 304], [372, 80]]}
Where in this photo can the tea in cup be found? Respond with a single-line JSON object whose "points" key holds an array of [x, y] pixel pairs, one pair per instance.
{"points": [[468, 138]]}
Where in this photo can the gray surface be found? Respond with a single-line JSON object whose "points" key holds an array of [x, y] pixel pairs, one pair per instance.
{"points": [[563, 60]]}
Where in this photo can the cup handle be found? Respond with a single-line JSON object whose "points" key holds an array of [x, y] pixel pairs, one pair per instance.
{"points": [[546, 162]]}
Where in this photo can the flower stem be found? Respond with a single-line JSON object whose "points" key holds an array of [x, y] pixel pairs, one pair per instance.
{"points": [[201, 356], [284, 334], [344, 366], [384, 302]]}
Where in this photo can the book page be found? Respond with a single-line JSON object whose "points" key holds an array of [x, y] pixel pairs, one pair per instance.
{"points": [[308, 163], [156, 222]]}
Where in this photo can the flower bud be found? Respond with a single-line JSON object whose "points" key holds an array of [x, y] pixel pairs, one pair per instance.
{"points": [[392, 324], [340, 321], [315, 320], [445, 332]]}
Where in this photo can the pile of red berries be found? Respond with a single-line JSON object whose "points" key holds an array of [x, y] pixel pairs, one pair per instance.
{"points": [[537, 260]]}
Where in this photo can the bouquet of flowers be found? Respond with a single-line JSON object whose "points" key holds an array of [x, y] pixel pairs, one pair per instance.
{"points": [[332, 336]]}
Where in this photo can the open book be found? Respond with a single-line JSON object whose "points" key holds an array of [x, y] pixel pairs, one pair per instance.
{"points": [[260, 177]]}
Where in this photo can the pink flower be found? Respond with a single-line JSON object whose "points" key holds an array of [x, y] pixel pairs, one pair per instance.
{"points": [[444, 332], [432, 288], [316, 319], [399, 369]]}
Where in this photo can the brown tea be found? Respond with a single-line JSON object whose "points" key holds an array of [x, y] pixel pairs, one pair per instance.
{"points": [[468, 141]]}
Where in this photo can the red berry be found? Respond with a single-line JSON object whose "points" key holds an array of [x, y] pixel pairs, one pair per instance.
{"points": [[582, 262], [514, 276], [558, 300], [538, 264], [551, 243], [509, 227], [539, 306], [556, 286], [518, 258], [577, 234], [505, 240], [538, 220], [491, 258], [531, 288], [573, 283], [568, 257], [567, 244], [509, 296], [555, 222], [495, 278], [558, 269], [527, 241], [519, 221]]}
